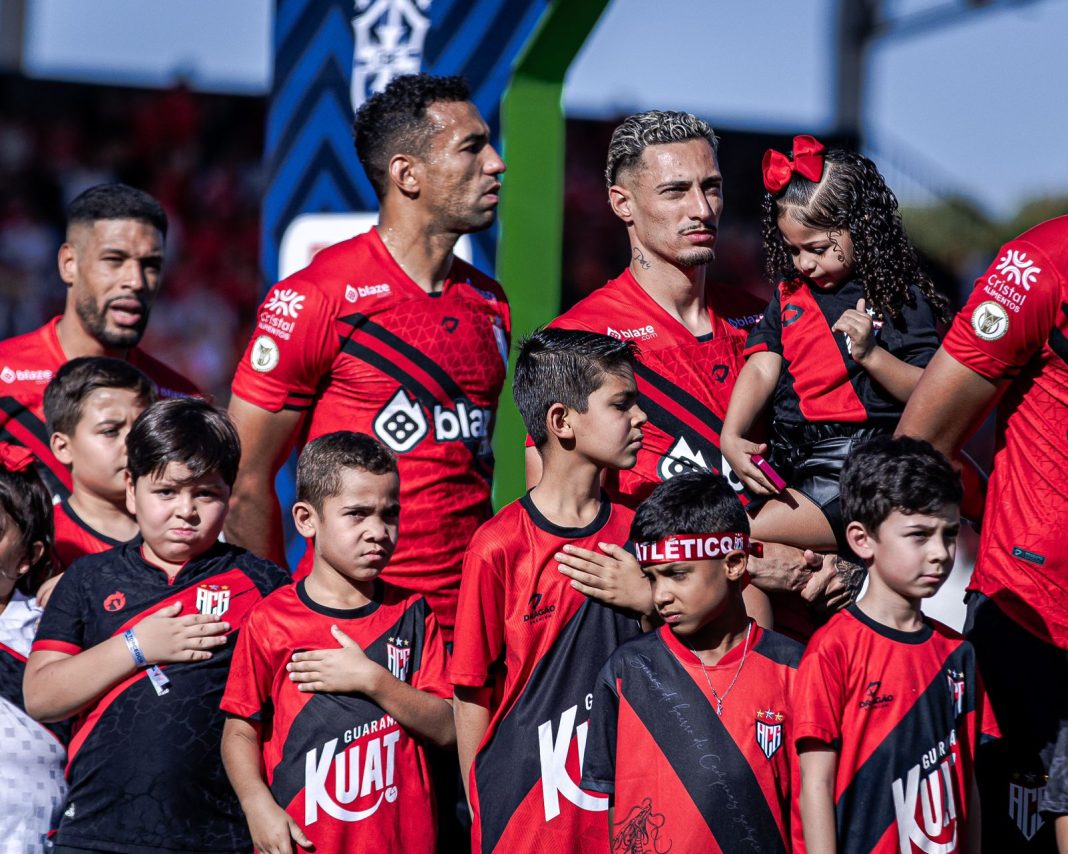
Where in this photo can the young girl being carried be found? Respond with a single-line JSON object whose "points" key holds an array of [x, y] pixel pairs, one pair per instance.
{"points": [[850, 327]]}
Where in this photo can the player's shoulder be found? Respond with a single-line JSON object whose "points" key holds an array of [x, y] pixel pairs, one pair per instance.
{"points": [[29, 361], [265, 574], [838, 633], [640, 650], [596, 311], [337, 274], [29, 345], [169, 382], [1038, 256], [501, 531], [736, 306], [779, 648], [482, 284]]}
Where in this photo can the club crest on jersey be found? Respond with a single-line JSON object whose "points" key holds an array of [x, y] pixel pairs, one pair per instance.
{"points": [[680, 459], [398, 656], [1025, 790], [213, 599], [769, 731], [956, 690], [115, 602]]}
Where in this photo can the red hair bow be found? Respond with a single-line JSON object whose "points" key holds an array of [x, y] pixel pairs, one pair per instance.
{"points": [[13, 458], [778, 169]]}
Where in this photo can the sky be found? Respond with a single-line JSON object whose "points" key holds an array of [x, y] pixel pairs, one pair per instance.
{"points": [[973, 108]]}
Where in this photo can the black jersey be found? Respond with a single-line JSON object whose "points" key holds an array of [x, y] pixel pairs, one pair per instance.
{"points": [[144, 769]]}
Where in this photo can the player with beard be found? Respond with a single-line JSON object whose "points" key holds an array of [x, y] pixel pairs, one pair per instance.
{"points": [[665, 185], [111, 262]]}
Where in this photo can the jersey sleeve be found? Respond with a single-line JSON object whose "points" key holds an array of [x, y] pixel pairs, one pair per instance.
{"points": [[293, 346], [63, 625], [432, 677], [917, 338], [1010, 314], [479, 636], [767, 334], [986, 725], [252, 670], [599, 759], [819, 694]]}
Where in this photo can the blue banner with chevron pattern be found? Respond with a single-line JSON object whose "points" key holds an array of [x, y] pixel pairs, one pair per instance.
{"points": [[331, 54]]}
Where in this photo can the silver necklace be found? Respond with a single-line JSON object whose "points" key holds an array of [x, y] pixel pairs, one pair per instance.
{"points": [[737, 673]]}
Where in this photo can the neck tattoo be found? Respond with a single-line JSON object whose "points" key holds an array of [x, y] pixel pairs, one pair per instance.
{"points": [[737, 673]]}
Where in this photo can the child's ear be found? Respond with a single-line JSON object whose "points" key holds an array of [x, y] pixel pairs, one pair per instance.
{"points": [[860, 540], [131, 489], [306, 519], [33, 554], [734, 564], [60, 445], [557, 423]]}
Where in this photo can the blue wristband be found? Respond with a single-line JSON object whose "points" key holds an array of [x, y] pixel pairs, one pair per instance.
{"points": [[135, 648]]}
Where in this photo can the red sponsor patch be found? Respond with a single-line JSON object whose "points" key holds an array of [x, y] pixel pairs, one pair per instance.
{"points": [[115, 602]]}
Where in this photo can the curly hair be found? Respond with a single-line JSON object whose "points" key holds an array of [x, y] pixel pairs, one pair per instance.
{"points": [[655, 127], [852, 196], [394, 121]]}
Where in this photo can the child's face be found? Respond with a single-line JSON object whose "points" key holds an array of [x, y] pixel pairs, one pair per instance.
{"points": [[910, 554], [14, 562], [825, 257], [688, 595], [609, 431], [356, 532], [96, 450], [179, 520]]}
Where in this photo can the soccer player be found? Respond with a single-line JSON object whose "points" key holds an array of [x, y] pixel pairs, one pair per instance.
{"points": [[89, 407], [338, 679], [144, 768], [691, 729], [665, 185], [390, 334], [111, 262], [1009, 347], [889, 708], [528, 646]]}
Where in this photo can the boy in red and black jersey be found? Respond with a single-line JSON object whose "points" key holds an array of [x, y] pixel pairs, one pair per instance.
{"points": [[890, 707], [339, 680], [89, 408], [133, 645], [528, 645], [691, 729]]}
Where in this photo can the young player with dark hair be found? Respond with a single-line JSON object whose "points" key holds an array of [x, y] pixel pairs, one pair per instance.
{"points": [[111, 263], [31, 756], [90, 406], [528, 645], [133, 646], [690, 733], [339, 680], [889, 705]]}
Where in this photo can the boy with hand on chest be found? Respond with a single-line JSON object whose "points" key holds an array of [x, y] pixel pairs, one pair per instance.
{"points": [[340, 679], [890, 707], [528, 645], [133, 645], [690, 733]]}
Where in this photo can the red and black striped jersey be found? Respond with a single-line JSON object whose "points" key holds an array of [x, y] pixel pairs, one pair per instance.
{"points": [[1014, 329], [144, 770], [353, 342], [75, 538], [905, 712], [27, 364], [681, 777], [684, 382], [344, 769], [820, 381], [522, 629]]}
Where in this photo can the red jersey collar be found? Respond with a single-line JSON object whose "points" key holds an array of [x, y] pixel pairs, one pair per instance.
{"points": [[386, 259], [628, 282], [687, 657]]}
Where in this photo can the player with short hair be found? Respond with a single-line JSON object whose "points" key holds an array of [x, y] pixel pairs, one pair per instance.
{"points": [[133, 646], [1008, 347], [89, 407], [111, 263], [889, 707], [690, 733], [339, 680], [392, 335], [528, 646]]}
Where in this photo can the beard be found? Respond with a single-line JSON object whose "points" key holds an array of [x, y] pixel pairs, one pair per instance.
{"points": [[94, 319], [696, 257]]}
